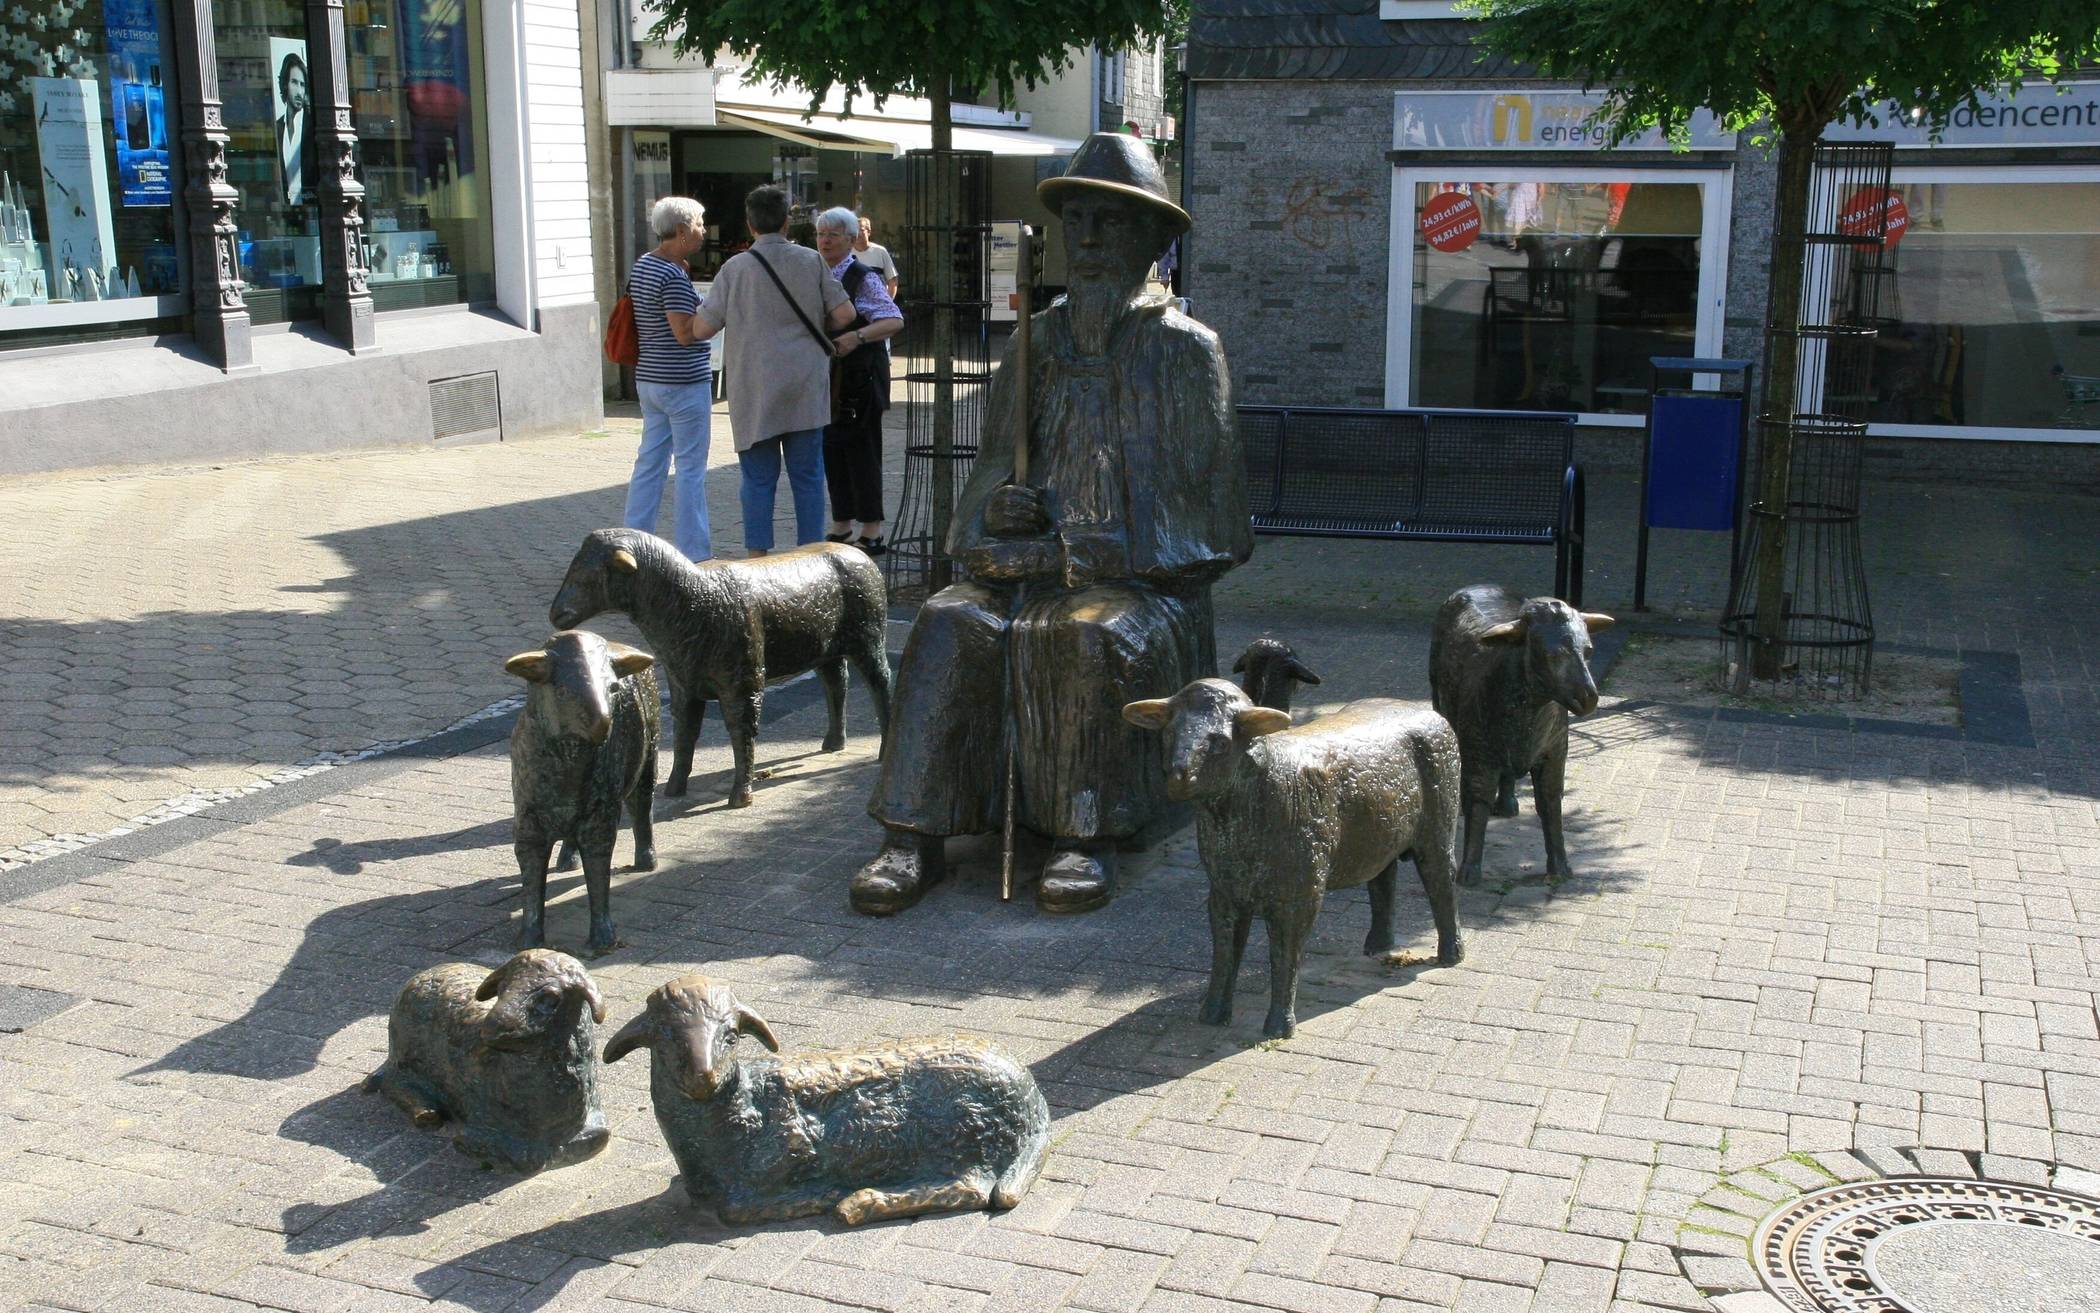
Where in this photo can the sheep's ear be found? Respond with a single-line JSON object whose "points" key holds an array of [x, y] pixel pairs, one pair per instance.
{"points": [[631, 1037], [752, 1024], [592, 996], [533, 667], [1152, 713], [493, 985], [628, 660], [1253, 722], [623, 561], [1299, 672], [1505, 635], [1597, 623], [1239, 667]]}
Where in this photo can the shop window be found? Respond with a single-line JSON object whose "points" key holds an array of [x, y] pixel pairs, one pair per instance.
{"points": [[1550, 291], [1990, 308], [419, 105], [88, 170], [266, 79]]}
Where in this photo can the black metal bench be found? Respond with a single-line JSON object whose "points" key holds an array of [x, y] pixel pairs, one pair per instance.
{"points": [[1485, 476]]}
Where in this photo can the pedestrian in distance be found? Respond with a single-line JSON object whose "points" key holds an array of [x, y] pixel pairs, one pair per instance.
{"points": [[876, 256], [853, 439], [775, 295], [672, 379]]}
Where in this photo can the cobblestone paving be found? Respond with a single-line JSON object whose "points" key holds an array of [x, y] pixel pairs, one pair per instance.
{"points": [[1780, 940]]}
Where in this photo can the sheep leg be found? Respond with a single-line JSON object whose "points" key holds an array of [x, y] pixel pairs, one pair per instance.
{"points": [[1228, 939], [1478, 790], [1548, 784], [1384, 887], [640, 800], [1287, 930], [408, 1092], [833, 675], [689, 711], [873, 667], [532, 848], [565, 860], [740, 712], [872, 1205], [1506, 795], [597, 881], [1439, 881]]}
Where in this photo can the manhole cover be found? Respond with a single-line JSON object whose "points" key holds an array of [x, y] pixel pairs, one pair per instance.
{"points": [[1934, 1245]]}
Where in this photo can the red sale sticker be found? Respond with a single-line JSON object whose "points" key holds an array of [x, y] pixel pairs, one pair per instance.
{"points": [[1450, 221], [1870, 208]]}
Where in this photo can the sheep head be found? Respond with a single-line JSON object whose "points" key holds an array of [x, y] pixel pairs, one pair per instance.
{"points": [[537, 993], [601, 576], [1270, 666], [693, 1024], [578, 669], [1557, 647], [1208, 726]]}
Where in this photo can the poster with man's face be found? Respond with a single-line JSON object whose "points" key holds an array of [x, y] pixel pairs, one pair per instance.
{"points": [[291, 98]]}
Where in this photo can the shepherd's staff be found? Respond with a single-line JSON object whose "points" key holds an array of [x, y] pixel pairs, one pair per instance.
{"points": [[1023, 302]]}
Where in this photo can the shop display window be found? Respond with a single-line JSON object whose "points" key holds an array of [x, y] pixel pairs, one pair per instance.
{"points": [[88, 171], [1990, 306], [1550, 290], [266, 79], [418, 101]]}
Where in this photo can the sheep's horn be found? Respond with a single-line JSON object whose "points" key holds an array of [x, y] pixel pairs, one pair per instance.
{"points": [[493, 984], [632, 1036], [752, 1024]]}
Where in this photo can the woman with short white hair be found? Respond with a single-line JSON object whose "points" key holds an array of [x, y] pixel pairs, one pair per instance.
{"points": [[673, 379], [853, 442]]}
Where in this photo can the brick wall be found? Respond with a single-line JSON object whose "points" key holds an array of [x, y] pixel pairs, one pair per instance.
{"points": [[1292, 197]]}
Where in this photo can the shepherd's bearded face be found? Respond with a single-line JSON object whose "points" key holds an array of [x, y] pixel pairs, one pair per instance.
{"points": [[1110, 244]]}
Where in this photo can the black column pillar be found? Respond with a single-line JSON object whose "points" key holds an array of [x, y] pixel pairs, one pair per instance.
{"points": [[220, 314], [346, 301]]}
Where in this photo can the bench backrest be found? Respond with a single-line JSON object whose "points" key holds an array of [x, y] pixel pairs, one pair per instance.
{"points": [[1480, 469]]}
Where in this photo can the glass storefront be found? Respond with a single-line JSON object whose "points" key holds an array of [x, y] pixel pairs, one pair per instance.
{"points": [[1991, 314], [88, 168], [266, 80], [417, 98], [1550, 290]]}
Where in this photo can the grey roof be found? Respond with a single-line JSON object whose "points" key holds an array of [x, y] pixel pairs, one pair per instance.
{"points": [[1333, 39]]}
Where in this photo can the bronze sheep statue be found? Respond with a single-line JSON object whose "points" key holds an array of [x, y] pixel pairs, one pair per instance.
{"points": [[1270, 671], [726, 629], [913, 1126], [584, 744], [1507, 672], [510, 1055], [1283, 815]]}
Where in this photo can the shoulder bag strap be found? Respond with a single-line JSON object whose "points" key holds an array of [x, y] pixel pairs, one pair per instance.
{"points": [[822, 340]]}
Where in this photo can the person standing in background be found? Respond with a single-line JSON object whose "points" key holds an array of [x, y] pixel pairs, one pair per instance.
{"points": [[672, 379], [876, 256], [777, 294], [853, 440]]}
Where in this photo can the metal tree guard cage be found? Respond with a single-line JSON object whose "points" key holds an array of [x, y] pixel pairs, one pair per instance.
{"points": [[944, 355], [1826, 637]]}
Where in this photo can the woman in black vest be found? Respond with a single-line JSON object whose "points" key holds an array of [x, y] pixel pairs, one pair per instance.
{"points": [[853, 441]]}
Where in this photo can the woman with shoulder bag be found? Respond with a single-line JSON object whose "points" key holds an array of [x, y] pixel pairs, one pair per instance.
{"points": [[853, 439], [774, 295]]}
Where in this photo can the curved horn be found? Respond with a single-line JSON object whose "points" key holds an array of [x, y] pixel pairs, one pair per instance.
{"points": [[493, 984], [1597, 623], [623, 561], [1300, 673], [752, 1024], [631, 1036]]}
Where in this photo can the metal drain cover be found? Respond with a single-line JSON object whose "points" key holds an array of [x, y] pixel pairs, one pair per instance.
{"points": [[1934, 1245]]}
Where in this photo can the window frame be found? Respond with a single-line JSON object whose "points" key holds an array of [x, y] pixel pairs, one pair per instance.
{"points": [[1716, 207], [2004, 173]]}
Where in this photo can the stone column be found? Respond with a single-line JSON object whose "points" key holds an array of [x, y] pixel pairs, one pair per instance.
{"points": [[218, 311], [346, 301]]}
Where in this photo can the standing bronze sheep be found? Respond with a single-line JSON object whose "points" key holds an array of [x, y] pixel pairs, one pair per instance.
{"points": [[510, 1055], [726, 629], [1507, 672], [914, 1126]]}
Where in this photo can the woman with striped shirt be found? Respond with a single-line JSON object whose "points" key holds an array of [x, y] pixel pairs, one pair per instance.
{"points": [[673, 379]]}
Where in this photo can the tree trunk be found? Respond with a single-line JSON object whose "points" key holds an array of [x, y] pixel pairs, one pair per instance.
{"points": [[945, 218], [1797, 158]]}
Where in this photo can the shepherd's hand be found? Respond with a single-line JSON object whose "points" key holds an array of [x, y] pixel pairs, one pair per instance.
{"points": [[1016, 511]]}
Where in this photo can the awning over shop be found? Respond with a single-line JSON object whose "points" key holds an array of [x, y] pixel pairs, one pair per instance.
{"points": [[888, 136]]}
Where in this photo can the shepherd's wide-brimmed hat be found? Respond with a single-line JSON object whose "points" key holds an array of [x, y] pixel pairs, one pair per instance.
{"points": [[1117, 163]]}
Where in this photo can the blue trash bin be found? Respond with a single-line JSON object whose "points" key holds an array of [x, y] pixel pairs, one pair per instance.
{"points": [[1692, 460]]}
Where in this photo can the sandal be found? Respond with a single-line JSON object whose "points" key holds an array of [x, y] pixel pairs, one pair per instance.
{"points": [[845, 537], [873, 546]]}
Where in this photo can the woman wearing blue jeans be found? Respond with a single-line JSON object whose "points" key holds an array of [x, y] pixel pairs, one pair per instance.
{"points": [[778, 298], [672, 379]]}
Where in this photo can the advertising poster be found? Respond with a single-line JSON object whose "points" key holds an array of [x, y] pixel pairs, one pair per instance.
{"points": [[138, 103], [652, 181], [291, 107], [76, 190]]}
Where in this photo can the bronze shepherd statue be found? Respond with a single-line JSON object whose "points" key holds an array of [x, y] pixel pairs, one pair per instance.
{"points": [[1088, 584]]}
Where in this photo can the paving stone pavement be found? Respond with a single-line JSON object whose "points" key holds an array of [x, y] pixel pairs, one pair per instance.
{"points": [[1781, 940]]}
